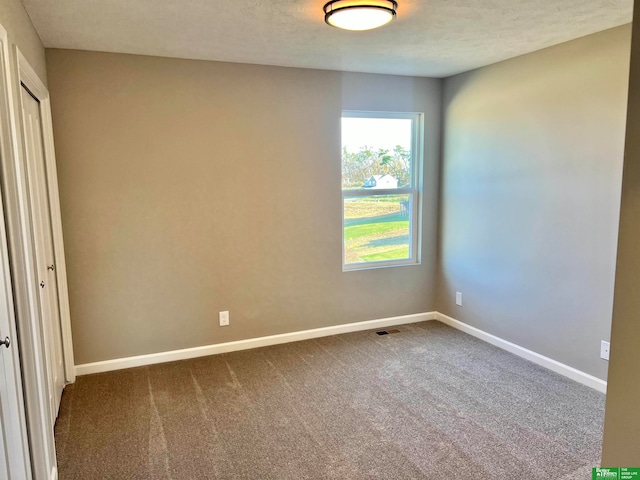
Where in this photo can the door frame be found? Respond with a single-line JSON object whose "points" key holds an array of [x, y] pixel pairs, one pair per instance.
{"points": [[16, 444], [28, 77], [36, 385]]}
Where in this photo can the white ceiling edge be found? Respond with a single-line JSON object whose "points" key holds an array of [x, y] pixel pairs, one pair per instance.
{"points": [[434, 39]]}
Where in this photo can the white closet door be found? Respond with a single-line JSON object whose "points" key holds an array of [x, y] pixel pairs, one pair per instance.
{"points": [[14, 461], [43, 241]]}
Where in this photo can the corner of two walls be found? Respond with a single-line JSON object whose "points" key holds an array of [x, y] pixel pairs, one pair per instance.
{"points": [[530, 196], [191, 187]]}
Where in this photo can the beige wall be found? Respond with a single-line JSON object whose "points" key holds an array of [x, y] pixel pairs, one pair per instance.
{"points": [[192, 187], [14, 19], [531, 176], [621, 445]]}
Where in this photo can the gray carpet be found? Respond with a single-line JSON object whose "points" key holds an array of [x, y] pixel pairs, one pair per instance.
{"points": [[428, 402]]}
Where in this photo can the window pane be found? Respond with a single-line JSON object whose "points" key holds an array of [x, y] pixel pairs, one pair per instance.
{"points": [[376, 153], [377, 228]]}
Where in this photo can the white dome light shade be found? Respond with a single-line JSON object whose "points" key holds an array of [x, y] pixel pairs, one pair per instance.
{"points": [[359, 15]]}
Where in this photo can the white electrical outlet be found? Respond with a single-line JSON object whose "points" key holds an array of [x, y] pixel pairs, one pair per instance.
{"points": [[605, 348], [224, 319], [459, 299]]}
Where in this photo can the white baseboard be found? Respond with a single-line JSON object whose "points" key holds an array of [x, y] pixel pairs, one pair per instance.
{"points": [[561, 368], [162, 357], [151, 359]]}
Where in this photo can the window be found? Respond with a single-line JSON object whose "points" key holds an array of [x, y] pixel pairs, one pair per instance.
{"points": [[381, 165]]}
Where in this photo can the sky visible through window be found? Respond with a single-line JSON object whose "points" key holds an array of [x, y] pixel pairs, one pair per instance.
{"points": [[377, 133]]}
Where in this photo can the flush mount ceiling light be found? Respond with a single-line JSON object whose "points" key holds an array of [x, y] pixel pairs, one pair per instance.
{"points": [[359, 14]]}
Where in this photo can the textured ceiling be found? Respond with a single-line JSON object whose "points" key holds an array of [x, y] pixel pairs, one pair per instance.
{"points": [[433, 38]]}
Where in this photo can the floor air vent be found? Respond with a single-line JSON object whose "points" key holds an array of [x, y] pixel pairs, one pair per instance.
{"points": [[387, 332]]}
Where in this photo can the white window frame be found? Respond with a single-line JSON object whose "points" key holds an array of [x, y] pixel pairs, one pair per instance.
{"points": [[414, 190]]}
